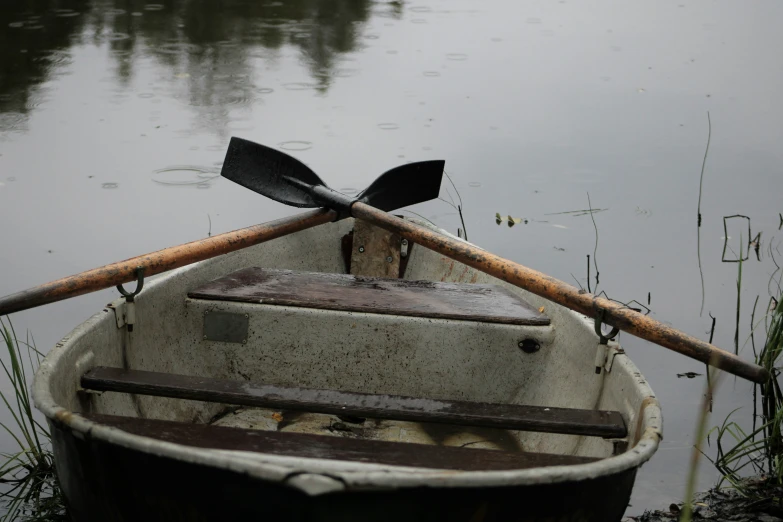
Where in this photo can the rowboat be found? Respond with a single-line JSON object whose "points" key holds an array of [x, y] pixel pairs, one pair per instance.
{"points": [[342, 372]]}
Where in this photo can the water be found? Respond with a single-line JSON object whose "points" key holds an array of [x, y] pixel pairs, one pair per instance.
{"points": [[115, 116]]}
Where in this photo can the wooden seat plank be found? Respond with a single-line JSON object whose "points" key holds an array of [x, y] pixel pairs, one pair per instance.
{"points": [[460, 301], [607, 424], [333, 448]]}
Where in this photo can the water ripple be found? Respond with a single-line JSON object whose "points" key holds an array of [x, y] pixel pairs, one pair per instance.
{"points": [[186, 176], [295, 145], [299, 86]]}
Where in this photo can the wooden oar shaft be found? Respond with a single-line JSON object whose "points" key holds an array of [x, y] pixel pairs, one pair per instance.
{"points": [[160, 261], [562, 293]]}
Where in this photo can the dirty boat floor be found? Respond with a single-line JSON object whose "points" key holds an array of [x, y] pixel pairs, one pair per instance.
{"points": [[369, 429]]}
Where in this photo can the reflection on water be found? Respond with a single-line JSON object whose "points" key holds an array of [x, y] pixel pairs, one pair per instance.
{"points": [[115, 116], [209, 46]]}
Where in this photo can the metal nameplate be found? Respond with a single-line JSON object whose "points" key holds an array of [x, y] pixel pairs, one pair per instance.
{"points": [[225, 327]]}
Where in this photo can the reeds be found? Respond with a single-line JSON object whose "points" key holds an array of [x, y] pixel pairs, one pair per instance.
{"points": [[760, 451], [30, 489]]}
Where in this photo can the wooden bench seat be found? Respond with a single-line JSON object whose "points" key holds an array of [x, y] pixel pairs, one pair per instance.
{"points": [[608, 424], [326, 291], [333, 448]]}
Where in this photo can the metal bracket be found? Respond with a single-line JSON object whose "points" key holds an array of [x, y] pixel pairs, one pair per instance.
{"points": [[130, 308], [599, 321], [613, 352], [603, 340], [225, 327]]}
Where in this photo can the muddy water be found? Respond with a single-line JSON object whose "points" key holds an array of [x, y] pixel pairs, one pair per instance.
{"points": [[114, 118]]}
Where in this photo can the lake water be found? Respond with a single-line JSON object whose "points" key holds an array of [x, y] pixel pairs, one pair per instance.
{"points": [[115, 116]]}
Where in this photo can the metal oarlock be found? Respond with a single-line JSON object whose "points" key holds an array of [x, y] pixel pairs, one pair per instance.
{"points": [[130, 307], [600, 356]]}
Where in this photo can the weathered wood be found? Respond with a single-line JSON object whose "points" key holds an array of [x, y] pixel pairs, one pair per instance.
{"points": [[461, 301], [615, 314], [375, 251], [396, 407], [161, 261], [333, 448]]}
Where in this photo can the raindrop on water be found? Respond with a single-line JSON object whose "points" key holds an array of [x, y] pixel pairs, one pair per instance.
{"points": [[457, 57], [295, 145], [110, 185], [431, 74], [299, 86], [388, 126], [186, 175], [474, 184]]}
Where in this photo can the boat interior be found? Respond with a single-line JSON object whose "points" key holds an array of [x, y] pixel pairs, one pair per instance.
{"points": [[347, 343]]}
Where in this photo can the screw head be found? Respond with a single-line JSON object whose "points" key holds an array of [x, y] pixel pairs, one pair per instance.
{"points": [[389, 259], [247, 316], [404, 242], [244, 341], [361, 249], [205, 337]]}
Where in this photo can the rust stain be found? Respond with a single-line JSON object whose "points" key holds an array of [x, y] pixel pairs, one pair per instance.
{"points": [[64, 416], [448, 274], [277, 417], [640, 418]]}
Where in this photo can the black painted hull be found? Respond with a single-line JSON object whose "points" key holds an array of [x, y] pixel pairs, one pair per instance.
{"points": [[104, 482]]}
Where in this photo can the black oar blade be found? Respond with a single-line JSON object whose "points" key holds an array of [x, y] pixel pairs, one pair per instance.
{"points": [[270, 172], [405, 185]]}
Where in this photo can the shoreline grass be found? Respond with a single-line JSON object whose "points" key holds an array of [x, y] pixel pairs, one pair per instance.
{"points": [[30, 488]]}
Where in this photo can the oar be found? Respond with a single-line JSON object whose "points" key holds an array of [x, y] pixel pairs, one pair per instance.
{"points": [[386, 192], [283, 178]]}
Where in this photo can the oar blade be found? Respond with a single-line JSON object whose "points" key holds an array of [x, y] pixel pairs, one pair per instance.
{"points": [[271, 173], [405, 185]]}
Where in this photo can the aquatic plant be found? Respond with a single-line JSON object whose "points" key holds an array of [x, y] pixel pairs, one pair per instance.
{"points": [[758, 451], [30, 488]]}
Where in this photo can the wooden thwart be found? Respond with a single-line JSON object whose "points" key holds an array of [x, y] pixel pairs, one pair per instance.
{"points": [[608, 424], [334, 448], [460, 301]]}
